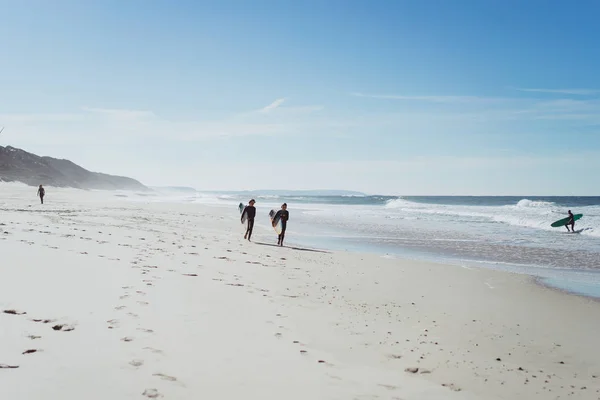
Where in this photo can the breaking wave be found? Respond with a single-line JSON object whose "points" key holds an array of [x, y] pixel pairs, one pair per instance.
{"points": [[526, 213]]}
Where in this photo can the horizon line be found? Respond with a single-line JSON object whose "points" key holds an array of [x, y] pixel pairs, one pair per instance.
{"points": [[369, 194]]}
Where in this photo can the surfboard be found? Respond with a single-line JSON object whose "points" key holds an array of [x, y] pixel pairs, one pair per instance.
{"points": [[563, 222], [577, 231], [275, 223], [241, 208]]}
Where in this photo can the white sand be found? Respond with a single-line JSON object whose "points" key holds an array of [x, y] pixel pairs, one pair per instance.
{"points": [[168, 300]]}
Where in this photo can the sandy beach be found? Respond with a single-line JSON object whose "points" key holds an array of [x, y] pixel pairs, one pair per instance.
{"points": [[101, 298]]}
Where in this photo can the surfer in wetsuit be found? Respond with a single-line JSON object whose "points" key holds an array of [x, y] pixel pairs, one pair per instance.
{"points": [[41, 193], [250, 213], [571, 222], [284, 216]]}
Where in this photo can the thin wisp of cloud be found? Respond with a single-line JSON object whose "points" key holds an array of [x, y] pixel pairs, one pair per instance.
{"points": [[578, 92], [272, 106]]}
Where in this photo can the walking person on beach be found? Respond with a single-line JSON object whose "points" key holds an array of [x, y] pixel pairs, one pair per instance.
{"points": [[41, 193], [250, 213], [284, 216], [571, 222]]}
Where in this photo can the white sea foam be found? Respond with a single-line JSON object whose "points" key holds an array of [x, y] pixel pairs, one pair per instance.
{"points": [[526, 213], [533, 203], [400, 203]]}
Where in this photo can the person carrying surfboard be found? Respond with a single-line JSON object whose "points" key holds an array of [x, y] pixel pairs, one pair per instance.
{"points": [[249, 213], [571, 222], [282, 215]]}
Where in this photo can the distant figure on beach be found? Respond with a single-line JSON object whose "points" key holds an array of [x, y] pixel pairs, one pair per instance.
{"points": [[250, 213], [571, 222], [284, 216], [41, 193]]}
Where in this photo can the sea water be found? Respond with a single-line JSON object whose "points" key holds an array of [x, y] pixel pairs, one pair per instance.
{"points": [[507, 233]]}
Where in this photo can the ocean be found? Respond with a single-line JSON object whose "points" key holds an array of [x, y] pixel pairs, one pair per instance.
{"points": [[510, 233]]}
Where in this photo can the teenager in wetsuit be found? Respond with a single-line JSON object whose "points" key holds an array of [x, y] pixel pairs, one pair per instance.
{"points": [[250, 213], [41, 193], [284, 216], [571, 222]]}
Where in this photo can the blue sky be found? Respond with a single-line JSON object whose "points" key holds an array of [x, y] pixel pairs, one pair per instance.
{"points": [[394, 97]]}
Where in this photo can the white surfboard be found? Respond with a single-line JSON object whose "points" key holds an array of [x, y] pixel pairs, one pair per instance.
{"points": [[275, 224]]}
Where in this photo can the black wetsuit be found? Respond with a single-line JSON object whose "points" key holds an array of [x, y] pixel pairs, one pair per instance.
{"points": [[250, 212], [284, 216], [571, 222], [41, 193]]}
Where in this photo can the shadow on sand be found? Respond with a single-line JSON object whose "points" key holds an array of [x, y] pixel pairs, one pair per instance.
{"points": [[292, 247]]}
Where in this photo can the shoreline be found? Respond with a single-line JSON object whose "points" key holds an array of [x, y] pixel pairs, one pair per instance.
{"points": [[559, 278], [556, 287], [532, 271], [169, 300], [532, 278]]}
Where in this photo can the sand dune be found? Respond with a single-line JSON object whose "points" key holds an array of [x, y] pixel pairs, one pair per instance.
{"points": [[104, 299]]}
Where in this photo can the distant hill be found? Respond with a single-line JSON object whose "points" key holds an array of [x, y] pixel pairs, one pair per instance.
{"points": [[17, 165]]}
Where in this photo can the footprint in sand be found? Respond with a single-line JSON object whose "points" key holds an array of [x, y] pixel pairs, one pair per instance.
{"points": [[6, 366], [136, 363], [166, 377], [133, 315], [451, 386], [14, 312], [63, 327], [43, 321], [152, 393], [153, 350], [120, 307], [388, 387], [113, 323], [145, 330], [127, 339], [31, 351]]}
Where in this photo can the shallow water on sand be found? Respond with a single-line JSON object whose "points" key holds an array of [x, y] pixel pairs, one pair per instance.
{"points": [[509, 233]]}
